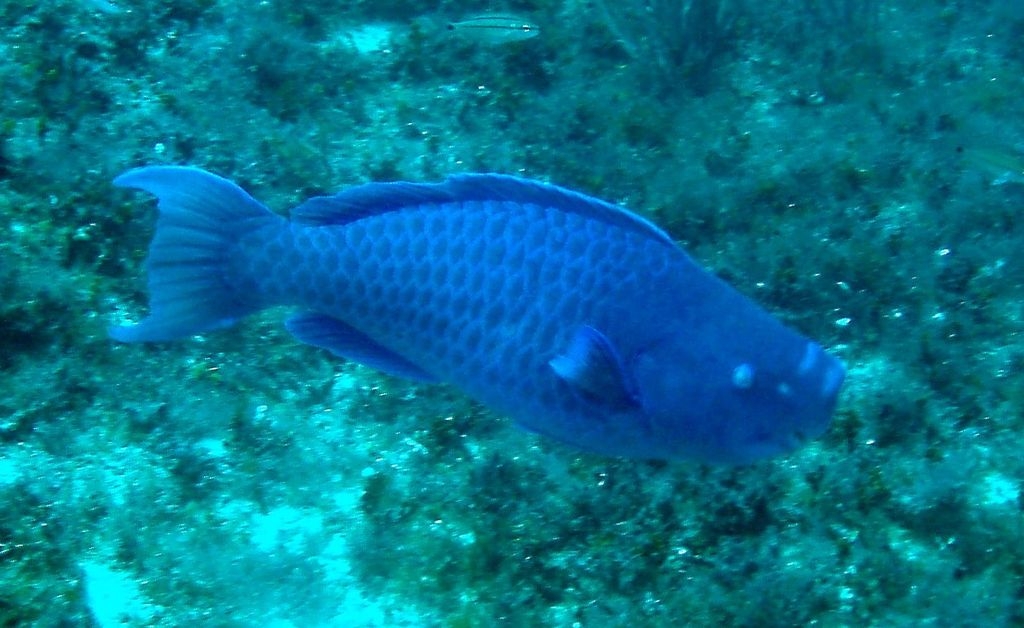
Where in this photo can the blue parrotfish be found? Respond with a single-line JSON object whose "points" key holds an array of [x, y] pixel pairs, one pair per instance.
{"points": [[579, 320]]}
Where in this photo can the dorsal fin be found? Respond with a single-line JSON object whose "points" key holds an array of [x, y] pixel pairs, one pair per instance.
{"points": [[373, 199]]}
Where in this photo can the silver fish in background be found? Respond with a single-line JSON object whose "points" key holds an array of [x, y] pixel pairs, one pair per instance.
{"points": [[494, 29], [999, 165]]}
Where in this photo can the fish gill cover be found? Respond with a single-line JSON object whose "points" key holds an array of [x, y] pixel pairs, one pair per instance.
{"points": [[804, 152]]}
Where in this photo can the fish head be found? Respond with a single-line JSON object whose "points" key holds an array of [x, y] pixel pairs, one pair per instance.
{"points": [[740, 402]]}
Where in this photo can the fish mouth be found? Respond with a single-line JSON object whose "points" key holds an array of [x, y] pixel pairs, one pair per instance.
{"points": [[798, 439], [762, 447], [793, 441], [769, 446]]}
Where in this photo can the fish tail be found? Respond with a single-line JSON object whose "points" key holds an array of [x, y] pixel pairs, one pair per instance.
{"points": [[201, 217]]}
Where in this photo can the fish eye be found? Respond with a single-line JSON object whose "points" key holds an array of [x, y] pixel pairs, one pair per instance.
{"points": [[743, 376]]}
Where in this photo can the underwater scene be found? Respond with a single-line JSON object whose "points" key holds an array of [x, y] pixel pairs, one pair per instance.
{"points": [[500, 394]]}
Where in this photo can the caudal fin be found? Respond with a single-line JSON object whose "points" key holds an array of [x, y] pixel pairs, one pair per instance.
{"points": [[201, 216]]}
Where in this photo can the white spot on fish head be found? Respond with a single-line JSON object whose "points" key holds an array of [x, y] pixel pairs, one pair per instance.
{"points": [[743, 376]]}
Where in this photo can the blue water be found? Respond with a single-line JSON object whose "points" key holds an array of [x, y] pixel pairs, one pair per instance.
{"points": [[855, 167]]}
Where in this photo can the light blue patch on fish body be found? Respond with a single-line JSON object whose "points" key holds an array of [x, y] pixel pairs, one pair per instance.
{"points": [[581, 321]]}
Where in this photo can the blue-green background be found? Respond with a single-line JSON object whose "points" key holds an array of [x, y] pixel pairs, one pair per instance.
{"points": [[855, 166]]}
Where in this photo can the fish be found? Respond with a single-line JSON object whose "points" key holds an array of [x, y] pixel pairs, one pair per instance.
{"points": [[999, 165], [581, 321], [103, 6], [494, 29]]}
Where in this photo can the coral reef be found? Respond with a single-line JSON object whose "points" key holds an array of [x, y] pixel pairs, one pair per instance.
{"points": [[855, 166]]}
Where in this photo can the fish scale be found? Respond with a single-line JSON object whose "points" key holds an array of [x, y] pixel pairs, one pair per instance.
{"points": [[441, 316], [577, 319]]}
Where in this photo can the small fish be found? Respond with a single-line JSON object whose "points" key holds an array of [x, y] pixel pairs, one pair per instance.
{"points": [[1001, 166], [494, 29], [103, 6], [579, 320]]}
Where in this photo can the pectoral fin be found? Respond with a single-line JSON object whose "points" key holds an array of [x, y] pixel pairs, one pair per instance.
{"points": [[594, 368]]}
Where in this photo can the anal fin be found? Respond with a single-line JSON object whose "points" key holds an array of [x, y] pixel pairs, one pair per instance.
{"points": [[348, 342]]}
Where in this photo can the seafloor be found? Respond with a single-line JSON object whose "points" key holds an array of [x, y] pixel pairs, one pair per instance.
{"points": [[855, 166]]}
